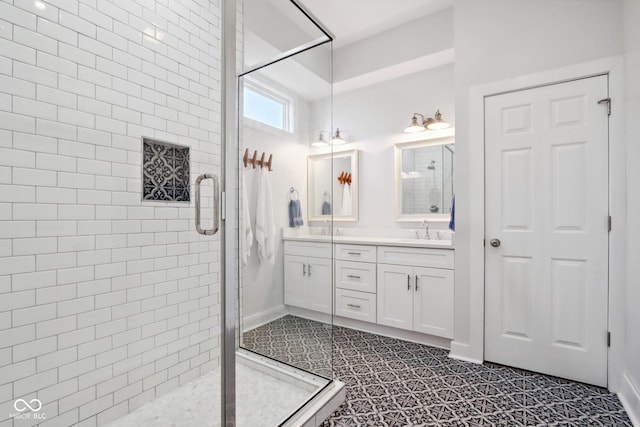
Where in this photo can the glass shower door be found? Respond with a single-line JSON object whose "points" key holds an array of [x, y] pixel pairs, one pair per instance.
{"points": [[281, 117], [284, 356]]}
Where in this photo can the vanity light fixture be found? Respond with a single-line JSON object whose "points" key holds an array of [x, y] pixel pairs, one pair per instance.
{"points": [[415, 126], [337, 139], [429, 123], [322, 140]]}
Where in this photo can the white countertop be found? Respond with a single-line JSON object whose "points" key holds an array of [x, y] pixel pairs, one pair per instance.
{"points": [[378, 241]]}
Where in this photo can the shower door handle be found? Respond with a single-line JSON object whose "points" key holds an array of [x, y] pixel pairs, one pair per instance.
{"points": [[216, 204]]}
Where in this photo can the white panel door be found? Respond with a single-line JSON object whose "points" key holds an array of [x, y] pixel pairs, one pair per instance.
{"points": [[319, 289], [547, 204], [395, 296], [433, 301]]}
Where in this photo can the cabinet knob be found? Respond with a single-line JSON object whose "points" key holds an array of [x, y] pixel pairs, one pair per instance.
{"points": [[304, 269], [309, 269], [495, 242], [408, 282], [353, 305], [416, 282]]}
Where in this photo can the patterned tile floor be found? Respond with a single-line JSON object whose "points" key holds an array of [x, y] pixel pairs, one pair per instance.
{"points": [[300, 342], [391, 382]]}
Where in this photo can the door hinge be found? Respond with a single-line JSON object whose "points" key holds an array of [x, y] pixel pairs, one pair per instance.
{"points": [[223, 206], [608, 102], [484, 242], [609, 223], [608, 339]]}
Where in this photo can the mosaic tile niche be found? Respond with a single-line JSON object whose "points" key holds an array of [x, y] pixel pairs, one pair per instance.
{"points": [[165, 171]]}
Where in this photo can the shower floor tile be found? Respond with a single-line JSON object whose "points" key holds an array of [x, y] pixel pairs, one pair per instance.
{"points": [[262, 400]]}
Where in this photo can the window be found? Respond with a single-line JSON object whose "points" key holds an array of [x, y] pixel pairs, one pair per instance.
{"points": [[267, 106]]}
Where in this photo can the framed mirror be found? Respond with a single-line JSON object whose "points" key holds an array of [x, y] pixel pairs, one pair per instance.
{"points": [[341, 200], [424, 179]]}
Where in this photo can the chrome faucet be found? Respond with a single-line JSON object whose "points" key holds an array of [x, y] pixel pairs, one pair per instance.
{"points": [[425, 224], [326, 230]]}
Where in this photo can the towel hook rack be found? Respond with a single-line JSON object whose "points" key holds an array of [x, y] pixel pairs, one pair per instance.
{"points": [[246, 160]]}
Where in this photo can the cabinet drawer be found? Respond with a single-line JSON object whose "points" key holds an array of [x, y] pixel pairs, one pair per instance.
{"points": [[357, 276], [362, 253], [313, 249], [419, 257], [356, 305]]}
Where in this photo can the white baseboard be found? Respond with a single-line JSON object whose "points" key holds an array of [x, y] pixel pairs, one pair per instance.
{"points": [[387, 331], [629, 395], [262, 318], [460, 351]]}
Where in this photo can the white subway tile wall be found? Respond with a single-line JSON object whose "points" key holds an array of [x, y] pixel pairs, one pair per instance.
{"points": [[106, 301]]}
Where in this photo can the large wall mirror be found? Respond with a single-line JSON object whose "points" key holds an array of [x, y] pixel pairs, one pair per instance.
{"points": [[341, 199], [424, 179]]}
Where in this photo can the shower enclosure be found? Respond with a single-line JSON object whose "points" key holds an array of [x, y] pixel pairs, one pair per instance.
{"points": [[120, 155]]}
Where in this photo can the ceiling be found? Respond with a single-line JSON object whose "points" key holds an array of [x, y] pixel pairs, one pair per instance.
{"points": [[353, 20]]}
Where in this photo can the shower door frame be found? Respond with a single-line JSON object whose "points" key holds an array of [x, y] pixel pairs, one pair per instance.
{"points": [[228, 154], [229, 188]]}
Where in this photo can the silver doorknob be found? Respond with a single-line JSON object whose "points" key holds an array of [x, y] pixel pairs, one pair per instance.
{"points": [[494, 242]]}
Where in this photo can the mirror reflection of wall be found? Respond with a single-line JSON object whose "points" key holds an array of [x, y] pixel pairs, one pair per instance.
{"points": [[322, 203], [425, 179]]}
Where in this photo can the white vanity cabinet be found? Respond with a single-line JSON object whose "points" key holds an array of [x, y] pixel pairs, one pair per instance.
{"points": [[415, 289], [356, 282], [307, 275], [384, 283]]}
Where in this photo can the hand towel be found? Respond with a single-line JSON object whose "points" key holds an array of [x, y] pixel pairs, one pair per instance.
{"points": [[295, 214], [346, 200], [247, 232], [265, 227], [326, 208], [452, 220]]}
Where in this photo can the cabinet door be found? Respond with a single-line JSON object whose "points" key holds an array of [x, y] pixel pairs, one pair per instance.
{"points": [[433, 302], [295, 281], [319, 284], [395, 296]]}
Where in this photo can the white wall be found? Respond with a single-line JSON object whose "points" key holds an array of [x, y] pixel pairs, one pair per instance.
{"points": [[632, 91], [373, 119], [106, 302], [262, 282], [423, 37], [495, 40]]}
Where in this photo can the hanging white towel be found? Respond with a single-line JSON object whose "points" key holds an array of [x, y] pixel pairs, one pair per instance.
{"points": [[265, 227], [346, 200], [247, 232]]}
